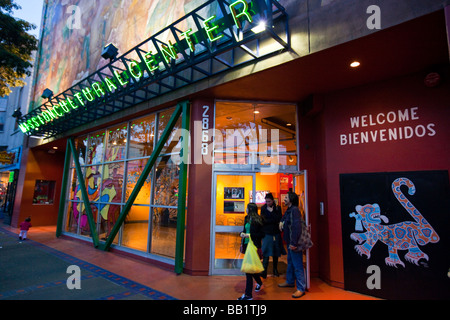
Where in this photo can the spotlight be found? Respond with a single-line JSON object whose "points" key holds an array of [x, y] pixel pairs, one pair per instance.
{"points": [[17, 114], [260, 27], [110, 52], [47, 94]]}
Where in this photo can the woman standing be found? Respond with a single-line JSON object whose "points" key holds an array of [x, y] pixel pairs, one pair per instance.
{"points": [[253, 229], [271, 243], [291, 226]]}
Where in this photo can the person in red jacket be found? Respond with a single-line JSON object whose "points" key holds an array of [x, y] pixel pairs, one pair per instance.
{"points": [[24, 227]]}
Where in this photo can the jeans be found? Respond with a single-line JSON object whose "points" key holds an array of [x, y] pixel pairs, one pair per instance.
{"points": [[249, 284], [295, 273]]}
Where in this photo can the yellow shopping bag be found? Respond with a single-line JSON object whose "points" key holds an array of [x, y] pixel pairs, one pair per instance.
{"points": [[251, 262]]}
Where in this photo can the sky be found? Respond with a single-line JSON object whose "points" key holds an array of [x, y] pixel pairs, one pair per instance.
{"points": [[32, 12]]}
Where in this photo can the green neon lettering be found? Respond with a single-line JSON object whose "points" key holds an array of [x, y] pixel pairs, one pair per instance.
{"points": [[150, 63], [98, 89], [87, 93], [71, 103], [209, 29], [132, 66], [40, 119], [56, 111], [23, 127], [188, 39], [30, 124], [50, 114], [63, 106], [46, 117], [244, 13], [35, 122], [110, 85], [119, 78], [169, 52], [79, 98]]}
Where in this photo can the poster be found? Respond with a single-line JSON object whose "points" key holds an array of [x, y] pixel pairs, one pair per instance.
{"points": [[395, 234]]}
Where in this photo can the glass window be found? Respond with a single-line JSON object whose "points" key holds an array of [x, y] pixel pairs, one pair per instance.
{"points": [[135, 228], [92, 181], [44, 192], [112, 182], [96, 147], [80, 147], [134, 171], [261, 134], [164, 232], [116, 143], [142, 137], [166, 182], [173, 142], [112, 161]]}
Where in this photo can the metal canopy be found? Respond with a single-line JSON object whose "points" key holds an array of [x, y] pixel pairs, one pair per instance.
{"points": [[234, 45]]}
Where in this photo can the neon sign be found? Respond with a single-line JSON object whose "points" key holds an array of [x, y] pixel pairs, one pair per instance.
{"points": [[149, 65]]}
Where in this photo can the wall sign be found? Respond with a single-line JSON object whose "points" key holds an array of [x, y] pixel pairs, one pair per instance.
{"points": [[396, 125], [396, 223]]}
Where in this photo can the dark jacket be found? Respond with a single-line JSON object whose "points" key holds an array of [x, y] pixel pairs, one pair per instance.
{"points": [[256, 232], [271, 220], [292, 228]]}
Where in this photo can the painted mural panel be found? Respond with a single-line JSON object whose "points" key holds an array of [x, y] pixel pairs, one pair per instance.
{"points": [[75, 31], [395, 234]]}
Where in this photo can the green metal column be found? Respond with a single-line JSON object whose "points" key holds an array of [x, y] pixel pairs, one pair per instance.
{"points": [[84, 194], [62, 199], [151, 162], [182, 189]]}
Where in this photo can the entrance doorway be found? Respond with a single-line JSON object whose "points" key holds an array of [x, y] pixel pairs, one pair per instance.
{"points": [[231, 193]]}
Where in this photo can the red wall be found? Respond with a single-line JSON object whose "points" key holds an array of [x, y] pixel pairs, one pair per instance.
{"points": [[37, 164], [328, 156]]}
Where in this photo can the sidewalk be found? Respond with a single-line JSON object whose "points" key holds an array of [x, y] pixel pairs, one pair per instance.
{"points": [[36, 269]]}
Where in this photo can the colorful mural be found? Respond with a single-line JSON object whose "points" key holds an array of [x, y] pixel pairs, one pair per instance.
{"points": [[75, 31]]}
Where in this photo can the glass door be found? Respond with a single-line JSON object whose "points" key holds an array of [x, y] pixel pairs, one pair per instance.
{"points": [[233, 192], [300, 188]]}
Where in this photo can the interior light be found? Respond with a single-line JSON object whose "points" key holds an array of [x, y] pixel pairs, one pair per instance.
{"points": [[55, 148], [256, 112], [260, 27], [288, 124], [355, 64]]}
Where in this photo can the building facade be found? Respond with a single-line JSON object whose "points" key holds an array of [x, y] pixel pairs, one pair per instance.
{"points": [[155, 151]]}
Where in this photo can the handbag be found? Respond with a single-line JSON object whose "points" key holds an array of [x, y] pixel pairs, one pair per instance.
{"points": [[251, 262], [304, 242]]}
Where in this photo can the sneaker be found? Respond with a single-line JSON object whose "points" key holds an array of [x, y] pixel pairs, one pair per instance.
{"points": [[244, 297], [258, 287]]}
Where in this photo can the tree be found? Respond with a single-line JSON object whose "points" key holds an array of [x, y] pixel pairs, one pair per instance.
{"points": [[16, 47]]}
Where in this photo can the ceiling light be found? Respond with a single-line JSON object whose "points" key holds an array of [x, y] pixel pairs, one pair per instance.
{"points": [[288, 124], [355, 64], [256, 112]]}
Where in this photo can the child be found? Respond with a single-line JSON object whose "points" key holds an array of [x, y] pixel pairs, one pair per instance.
{"points": [[24, 227]]}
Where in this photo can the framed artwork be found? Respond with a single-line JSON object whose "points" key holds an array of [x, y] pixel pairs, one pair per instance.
{"points": [[234, 207], [233, 193]]}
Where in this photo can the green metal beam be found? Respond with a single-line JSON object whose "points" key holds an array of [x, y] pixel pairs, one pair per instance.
{"points": [[151, 162], [62, 199], [182, 189], [84, 194]]}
